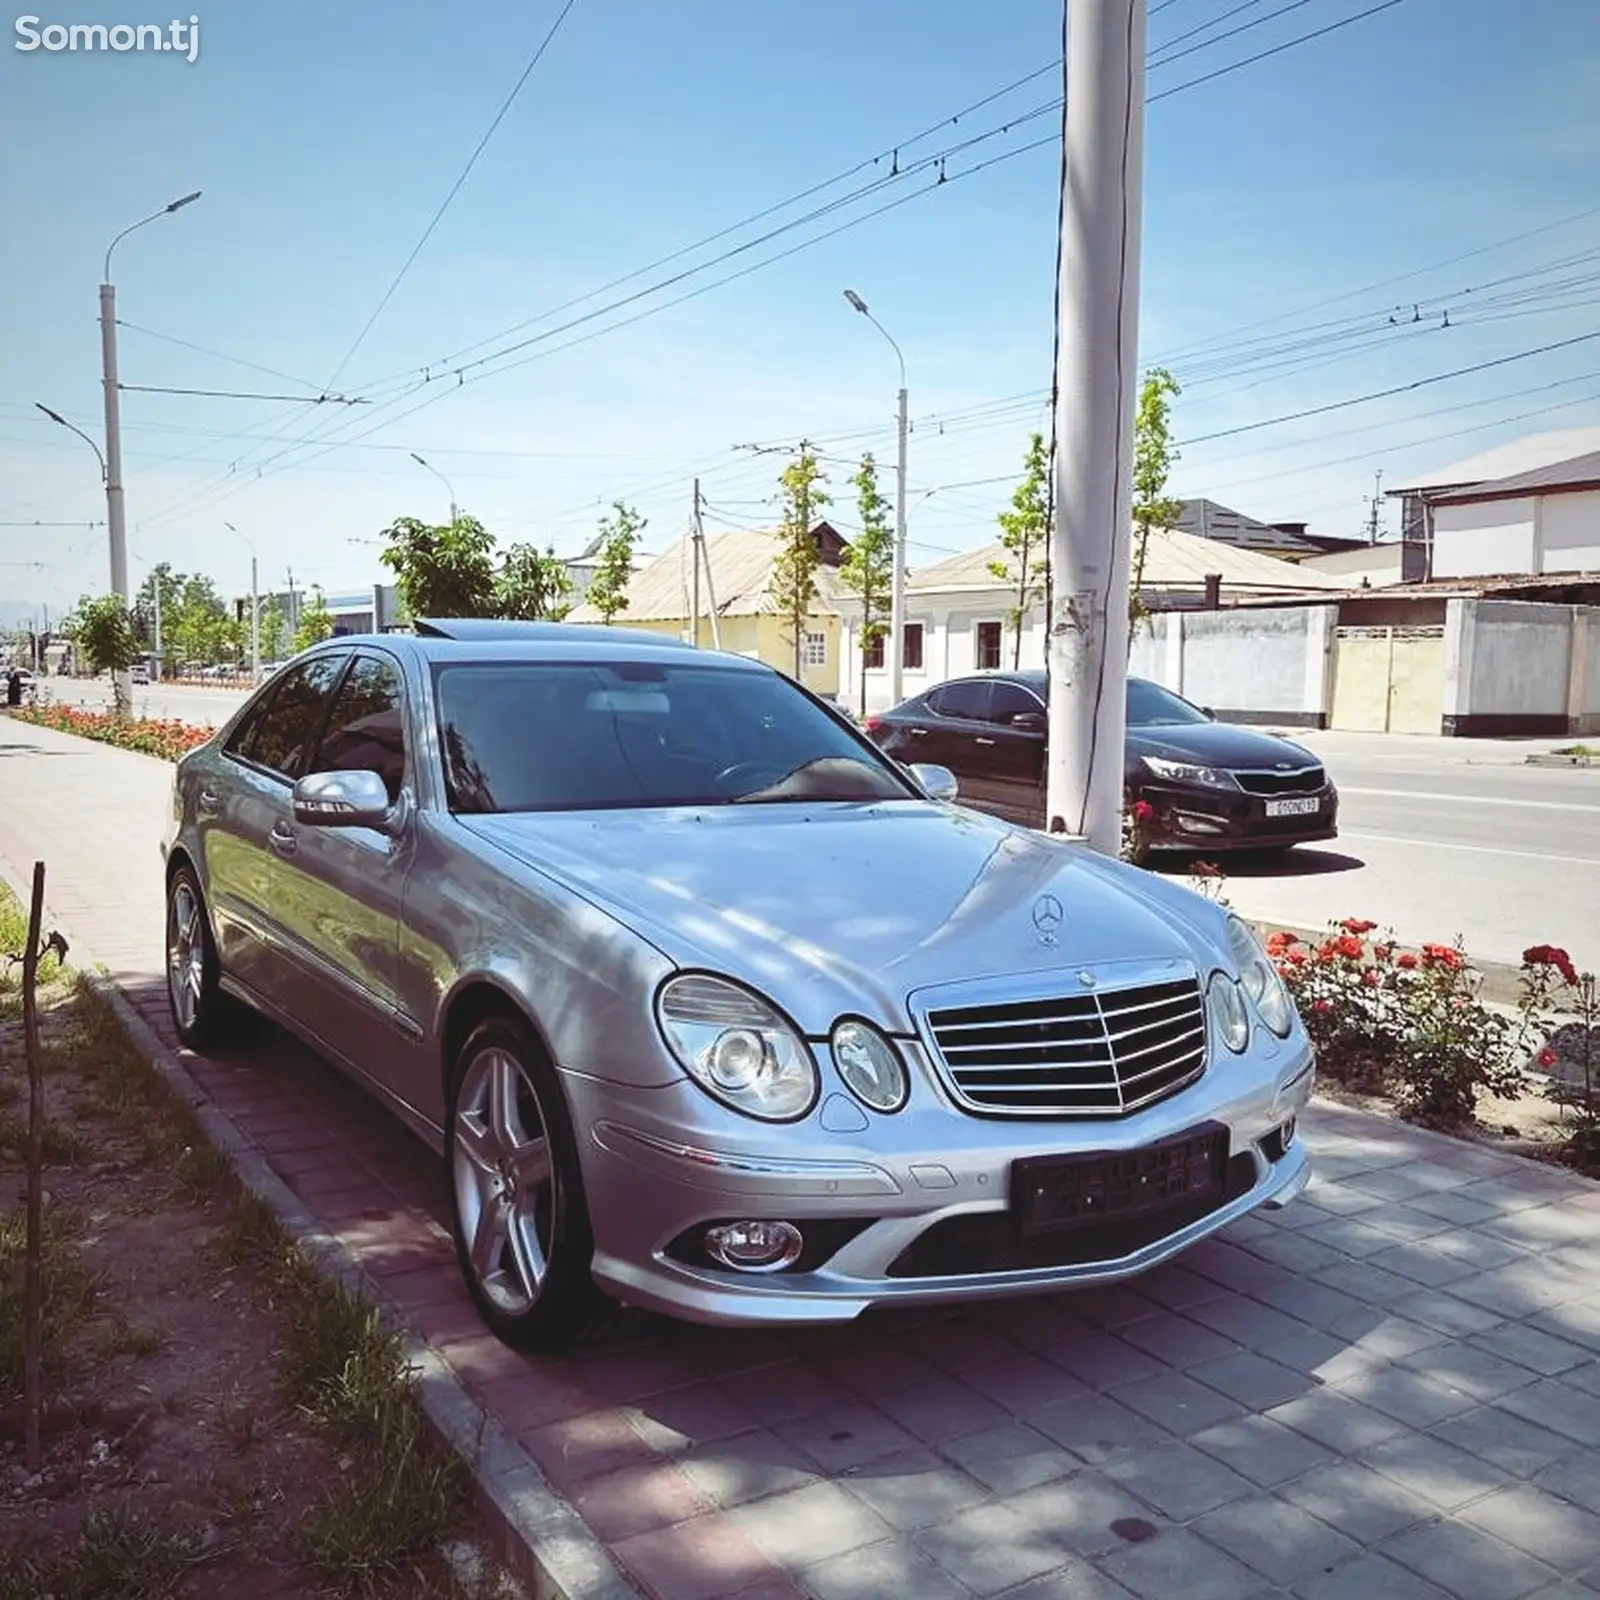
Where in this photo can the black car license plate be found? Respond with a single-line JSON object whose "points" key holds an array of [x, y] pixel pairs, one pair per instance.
{"points": [[1056, 1192]]}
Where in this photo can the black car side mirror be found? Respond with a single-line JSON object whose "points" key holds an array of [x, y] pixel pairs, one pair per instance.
{"points": [[1211, 715]]}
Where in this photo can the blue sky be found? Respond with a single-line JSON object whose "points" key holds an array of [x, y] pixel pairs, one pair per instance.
{"points": [[324, 138]]}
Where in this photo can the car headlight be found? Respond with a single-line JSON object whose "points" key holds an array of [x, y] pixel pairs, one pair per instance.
{"points": [[1225, 1002], [737, 1047], [1189, 772], [1260, 979], [870, 1065]]}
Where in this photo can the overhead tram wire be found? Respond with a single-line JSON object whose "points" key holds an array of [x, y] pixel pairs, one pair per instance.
{"points": [[262, 469]]}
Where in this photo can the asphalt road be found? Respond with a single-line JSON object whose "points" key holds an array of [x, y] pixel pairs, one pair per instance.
{"points": [[1438, 837]]}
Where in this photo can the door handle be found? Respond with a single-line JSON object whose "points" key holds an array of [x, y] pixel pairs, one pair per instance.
{"points": [[981, 740], [209, 801], [282, 840], [917, 733]]}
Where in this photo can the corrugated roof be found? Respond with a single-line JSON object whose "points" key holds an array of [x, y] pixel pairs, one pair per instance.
{"points": [[741, 573], [1207, 519], [1173, 560], [1508, 460], [1576, 472]]}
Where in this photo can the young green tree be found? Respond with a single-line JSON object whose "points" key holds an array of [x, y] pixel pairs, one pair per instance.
{"points": [[443, 571], [273, 629], [620, 534], [1025, 538], [196, 628], [868, 566], [316, 622], [793, 585], [1153, 455], [533, 585], [102, 630]]}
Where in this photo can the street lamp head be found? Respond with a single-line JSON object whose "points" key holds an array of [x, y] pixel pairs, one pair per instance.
{"points": [[54, 416], [418, 459], [856, 301], [188, 199]]}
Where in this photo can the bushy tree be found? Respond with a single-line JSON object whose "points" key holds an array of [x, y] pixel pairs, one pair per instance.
{"points": [[102, 630], [316, 622], [1025, 539], [532, 585], [620, 534], [793, 585], [1153, 455], [868, 566], [446, 571]]}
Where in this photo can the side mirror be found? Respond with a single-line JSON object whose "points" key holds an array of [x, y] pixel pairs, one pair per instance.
{"points": [[1211, 715], [938, 783], [1029, 722], [342, 800]]}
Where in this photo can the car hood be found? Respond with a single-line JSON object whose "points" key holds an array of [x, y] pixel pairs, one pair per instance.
{"points": [[833, 908], [1217, 744]]}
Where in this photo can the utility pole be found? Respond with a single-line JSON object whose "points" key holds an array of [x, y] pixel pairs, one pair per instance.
{"points": [[294, 606], [705, 556], [255, 628], [1103, 173], [155, 664], [695, 538], [1377, 501]]}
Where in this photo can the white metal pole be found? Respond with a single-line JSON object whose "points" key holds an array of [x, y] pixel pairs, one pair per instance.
{"points": [[1099, 301], [255, 627], [123, 690], [897, 580], [155, 665]]}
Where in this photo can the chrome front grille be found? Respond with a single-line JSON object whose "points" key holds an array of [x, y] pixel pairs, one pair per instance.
{"points": [[1102, 1053], [1308, 780]]}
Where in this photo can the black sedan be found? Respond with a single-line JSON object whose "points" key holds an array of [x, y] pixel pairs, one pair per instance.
{"points": [[1210, 785]]}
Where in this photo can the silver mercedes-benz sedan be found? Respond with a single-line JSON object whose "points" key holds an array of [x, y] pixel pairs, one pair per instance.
{"points": [[708, 1004]]}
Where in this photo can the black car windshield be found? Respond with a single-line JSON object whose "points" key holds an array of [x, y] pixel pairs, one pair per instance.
{"points": [[568, 736], [1149, 705]]}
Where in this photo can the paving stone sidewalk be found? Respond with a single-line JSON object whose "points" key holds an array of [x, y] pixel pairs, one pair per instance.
{"points": [[1390, 1391]]}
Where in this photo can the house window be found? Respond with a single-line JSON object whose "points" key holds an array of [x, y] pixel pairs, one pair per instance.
{"points": [[874, 654], [911, 647], [816, 650], [987, 652]]}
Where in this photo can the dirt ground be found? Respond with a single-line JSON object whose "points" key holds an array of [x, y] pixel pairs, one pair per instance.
{"points": [[173, 1463]]}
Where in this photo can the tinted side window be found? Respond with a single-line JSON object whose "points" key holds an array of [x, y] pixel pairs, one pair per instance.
{"points": [[285, 732], [968, 699], [1008, 699], [366, 727], [243, 737]]}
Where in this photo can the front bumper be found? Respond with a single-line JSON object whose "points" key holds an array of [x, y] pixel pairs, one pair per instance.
{"points": [[1205, 819], [917, 1208]]}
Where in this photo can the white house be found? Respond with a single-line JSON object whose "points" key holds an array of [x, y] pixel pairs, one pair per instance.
{"points": [[1366, 566], [957, 611], [1532, 507]]}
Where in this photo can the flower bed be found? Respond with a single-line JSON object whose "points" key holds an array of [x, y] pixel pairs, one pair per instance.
{"points": [[150, 736], [1412, 1026]]}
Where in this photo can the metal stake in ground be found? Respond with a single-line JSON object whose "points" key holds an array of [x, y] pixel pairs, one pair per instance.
{"points": [[32, 1284]]}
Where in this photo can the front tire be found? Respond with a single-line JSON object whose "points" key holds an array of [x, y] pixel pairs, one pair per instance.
{"points": [[205, 1018], [517, 1208]]}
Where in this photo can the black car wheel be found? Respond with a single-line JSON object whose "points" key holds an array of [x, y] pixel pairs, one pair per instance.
{"points": [[517, 1206]]}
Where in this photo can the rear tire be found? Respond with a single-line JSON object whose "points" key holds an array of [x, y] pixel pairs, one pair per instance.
{"points": [[518, 1212]]}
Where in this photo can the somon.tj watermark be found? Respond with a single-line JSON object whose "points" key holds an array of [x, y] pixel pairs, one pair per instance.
{"points": [[174, 38]]}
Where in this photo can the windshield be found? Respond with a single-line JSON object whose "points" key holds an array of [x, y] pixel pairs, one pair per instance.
{"points": [[563, 736], [1149, 705]]}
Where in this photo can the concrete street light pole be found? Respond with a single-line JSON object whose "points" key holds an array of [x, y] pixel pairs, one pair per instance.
{"points": [[1098, 380], [442, 479], [897, 578], [113, 458]]}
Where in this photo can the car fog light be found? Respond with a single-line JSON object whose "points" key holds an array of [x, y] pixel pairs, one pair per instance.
{"points": [[1190, 823], [754, 1246]]}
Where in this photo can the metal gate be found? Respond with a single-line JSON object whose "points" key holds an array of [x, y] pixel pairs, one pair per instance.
{"points": [[1388, 680]]}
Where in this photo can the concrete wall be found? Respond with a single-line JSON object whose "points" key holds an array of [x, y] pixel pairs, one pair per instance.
{"points": [[1259, 665], [1569, 532], [1492, 536], [1517, 667]]}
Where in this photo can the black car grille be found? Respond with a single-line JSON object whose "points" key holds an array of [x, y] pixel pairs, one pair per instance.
{"points": [[1092, 1055], [1306, 781]]}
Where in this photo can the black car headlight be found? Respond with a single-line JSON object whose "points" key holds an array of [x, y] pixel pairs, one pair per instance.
{"points": [[1189, 772], [1260, 979], [738, 1047]]}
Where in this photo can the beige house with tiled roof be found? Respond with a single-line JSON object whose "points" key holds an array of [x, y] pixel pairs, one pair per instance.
{"points": [[738, 586]]}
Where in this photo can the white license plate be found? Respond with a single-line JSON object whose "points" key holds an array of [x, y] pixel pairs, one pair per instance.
{"points": [[1293, 808]]}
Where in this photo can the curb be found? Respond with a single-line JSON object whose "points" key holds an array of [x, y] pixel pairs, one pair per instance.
{"points": [[1555, 760], [535, 1532]]}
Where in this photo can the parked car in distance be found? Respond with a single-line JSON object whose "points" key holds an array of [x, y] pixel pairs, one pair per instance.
{"points": [[1212, 785], [139, 672], [707, 1004]]}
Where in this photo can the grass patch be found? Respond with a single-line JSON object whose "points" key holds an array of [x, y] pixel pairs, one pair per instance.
{"points": [[71, 1294], [119, 1555]]}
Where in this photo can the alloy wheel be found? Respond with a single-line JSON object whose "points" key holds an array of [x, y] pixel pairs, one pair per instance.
{"points": [[186, 953], [504, 1177]]}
